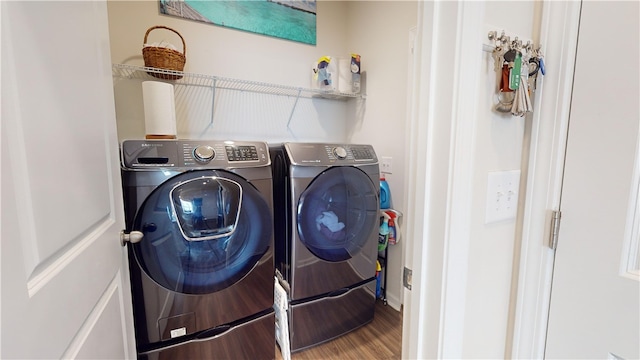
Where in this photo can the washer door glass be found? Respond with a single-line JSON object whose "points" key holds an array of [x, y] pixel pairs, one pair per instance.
{"points": [[207, 208], [203, 231], [338, 213]]}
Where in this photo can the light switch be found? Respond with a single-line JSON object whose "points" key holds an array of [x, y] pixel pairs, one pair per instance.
{"points": [[502, 196], [386, 165]]}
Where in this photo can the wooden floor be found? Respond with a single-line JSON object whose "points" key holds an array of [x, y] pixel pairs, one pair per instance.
{"points": [[380, 339]]}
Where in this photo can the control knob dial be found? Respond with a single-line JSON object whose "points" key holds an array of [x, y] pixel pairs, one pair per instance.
{"points": [[340, 152], [203, 153]]}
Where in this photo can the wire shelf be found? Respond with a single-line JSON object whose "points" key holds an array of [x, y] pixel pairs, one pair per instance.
{"points": [[215, 82]]}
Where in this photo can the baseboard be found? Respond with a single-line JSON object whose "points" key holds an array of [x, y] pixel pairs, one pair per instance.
{"points": [[394, 302]]}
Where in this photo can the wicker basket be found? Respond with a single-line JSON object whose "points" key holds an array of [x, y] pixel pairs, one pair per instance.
{"points": [[163, 58]]}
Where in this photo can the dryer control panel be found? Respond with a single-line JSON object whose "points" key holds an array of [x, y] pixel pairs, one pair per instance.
{"points": [[193, 154], [330, 154]]}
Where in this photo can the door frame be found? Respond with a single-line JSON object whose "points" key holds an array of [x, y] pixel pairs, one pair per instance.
{"points": [[530, 298], [442, 128]]}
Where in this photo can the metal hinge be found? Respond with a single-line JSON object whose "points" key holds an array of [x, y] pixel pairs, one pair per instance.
{"points": [[406, 277], [555, 229]]}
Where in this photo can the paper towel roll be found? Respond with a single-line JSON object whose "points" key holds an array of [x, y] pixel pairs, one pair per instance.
{"points": [[159, 110]]}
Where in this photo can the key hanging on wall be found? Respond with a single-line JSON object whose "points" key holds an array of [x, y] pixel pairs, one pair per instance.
{"points": [[518, 80], [518, 66]]}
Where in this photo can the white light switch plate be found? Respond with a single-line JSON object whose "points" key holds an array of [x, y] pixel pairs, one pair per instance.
{"points": [[386, 164], [502, 196]]}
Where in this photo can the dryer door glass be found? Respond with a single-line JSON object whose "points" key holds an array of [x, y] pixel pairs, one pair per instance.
{"points": [[203, 231], [338, 213]]}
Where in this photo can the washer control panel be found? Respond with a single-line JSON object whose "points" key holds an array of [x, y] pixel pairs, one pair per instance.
{"points": [[330, 154], [193, 154], [242, 153]]}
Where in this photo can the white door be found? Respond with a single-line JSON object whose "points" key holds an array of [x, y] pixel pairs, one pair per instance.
{"points": [[595, 303], [65, 291]]}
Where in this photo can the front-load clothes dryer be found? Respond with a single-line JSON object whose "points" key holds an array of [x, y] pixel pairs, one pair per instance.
{"points": [[327, 217], [199, 221]]}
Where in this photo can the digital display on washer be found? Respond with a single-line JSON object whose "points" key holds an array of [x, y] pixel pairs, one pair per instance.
{"points": [[362, 153], [241, 153]]}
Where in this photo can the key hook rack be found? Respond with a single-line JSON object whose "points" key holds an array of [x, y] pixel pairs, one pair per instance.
{"points": [[518, 64], [504, 42]]}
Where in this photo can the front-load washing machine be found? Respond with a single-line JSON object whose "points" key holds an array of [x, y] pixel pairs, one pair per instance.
{"points": [[199, 221], [327, 217]]}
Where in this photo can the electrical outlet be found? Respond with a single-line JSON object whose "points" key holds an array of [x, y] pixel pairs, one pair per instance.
{"points": [[386, 165], [502, 196]]}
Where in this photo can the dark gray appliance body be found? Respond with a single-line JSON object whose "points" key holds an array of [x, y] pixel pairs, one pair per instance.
{"points": [[202, 276], [326, 237]]}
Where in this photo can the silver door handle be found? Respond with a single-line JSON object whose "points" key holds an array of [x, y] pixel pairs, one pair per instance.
{"points": [[132, 237]]}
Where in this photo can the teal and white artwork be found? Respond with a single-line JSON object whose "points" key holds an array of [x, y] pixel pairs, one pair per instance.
{"points": [[287, 19]]}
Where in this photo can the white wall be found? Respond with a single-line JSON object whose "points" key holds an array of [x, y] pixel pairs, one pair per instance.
{"points": [[499, 141], [378, 30]]}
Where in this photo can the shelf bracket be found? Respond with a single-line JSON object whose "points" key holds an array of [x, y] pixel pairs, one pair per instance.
{"points": [[294, 108]]}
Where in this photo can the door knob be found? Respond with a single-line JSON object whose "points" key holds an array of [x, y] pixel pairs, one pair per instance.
{"points": [[132, 237]]}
